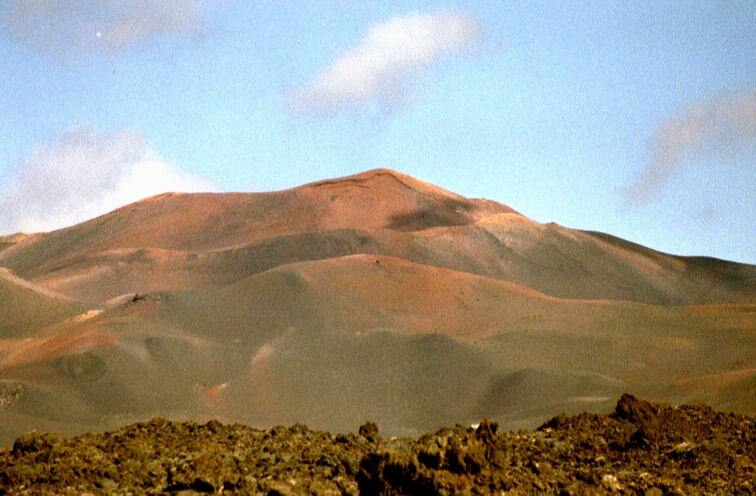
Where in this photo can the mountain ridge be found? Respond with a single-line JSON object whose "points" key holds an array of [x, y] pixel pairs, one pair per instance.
{"points": [[380, 211]]}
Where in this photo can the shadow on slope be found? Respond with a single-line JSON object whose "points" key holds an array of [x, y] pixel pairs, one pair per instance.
{"points": [[25, 308], [303, 342], [409, 384], [525, 398]]}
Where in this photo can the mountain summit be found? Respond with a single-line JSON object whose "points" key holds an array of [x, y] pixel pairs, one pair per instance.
{"points": [[182, 241]]}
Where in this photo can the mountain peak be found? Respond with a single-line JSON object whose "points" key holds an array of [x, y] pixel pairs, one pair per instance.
{"points": [[375, 199], [385, 198], [380, 177]]}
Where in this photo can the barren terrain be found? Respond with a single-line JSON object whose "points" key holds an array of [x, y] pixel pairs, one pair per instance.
{"points": [[641, 448], [375, 296]]}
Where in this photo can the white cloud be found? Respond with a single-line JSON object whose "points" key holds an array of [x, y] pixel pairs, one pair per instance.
{"points": [[390, 57], [86, 173], [715, 128], [76, 28]]}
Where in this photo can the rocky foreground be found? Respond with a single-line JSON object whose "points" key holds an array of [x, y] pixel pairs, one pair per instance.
{"points": [[641, 448]]}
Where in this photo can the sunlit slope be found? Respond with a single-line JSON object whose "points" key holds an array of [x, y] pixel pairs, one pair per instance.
{"points": [[199, 222], [189, 241]]}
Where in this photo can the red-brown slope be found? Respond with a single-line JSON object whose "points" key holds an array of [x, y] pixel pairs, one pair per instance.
{"points": [[549, 258], [197, 222], [177, 241]]}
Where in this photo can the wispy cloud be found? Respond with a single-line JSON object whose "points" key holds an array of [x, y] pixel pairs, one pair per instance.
{"points": [[74, 29], [83, 174], [716, 128], [389, 58]]}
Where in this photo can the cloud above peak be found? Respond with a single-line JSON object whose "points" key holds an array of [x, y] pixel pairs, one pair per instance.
{"points": [[715, 128], [388, 60], [73, 29], [83, 174]]}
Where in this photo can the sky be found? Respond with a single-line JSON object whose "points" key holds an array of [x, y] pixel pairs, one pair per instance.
{"points": [[634, 119]]}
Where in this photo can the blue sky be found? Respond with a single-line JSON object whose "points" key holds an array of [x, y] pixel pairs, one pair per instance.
{"points": [[634, 119]]}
